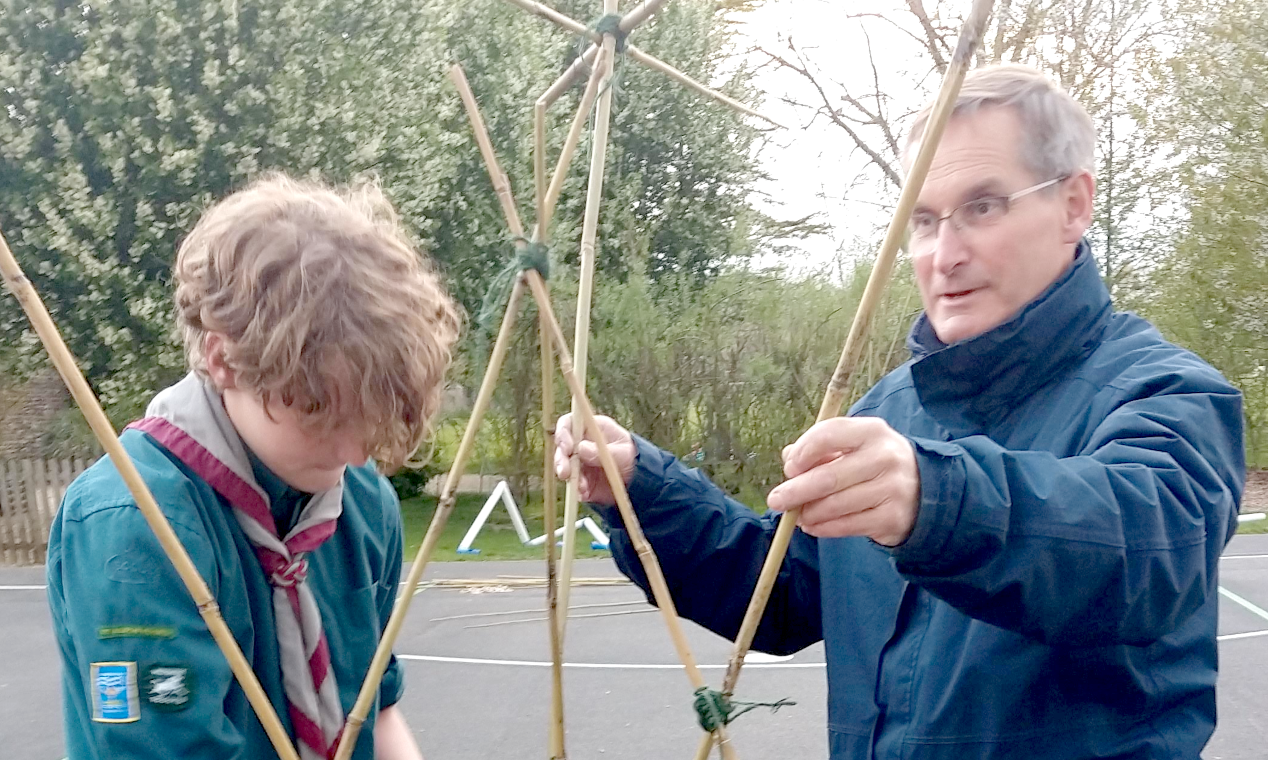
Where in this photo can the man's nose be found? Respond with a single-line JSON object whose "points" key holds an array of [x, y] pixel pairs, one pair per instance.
{"points": [[949, 248]]}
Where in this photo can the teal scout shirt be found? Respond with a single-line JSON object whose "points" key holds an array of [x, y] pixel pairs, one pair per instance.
{"points": [[142, 676]]}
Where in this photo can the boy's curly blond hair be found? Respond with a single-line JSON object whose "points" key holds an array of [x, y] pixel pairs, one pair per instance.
{"points": [[325, 304]]}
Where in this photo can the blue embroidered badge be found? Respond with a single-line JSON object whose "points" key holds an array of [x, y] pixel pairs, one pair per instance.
{"points": [[114, 692]]}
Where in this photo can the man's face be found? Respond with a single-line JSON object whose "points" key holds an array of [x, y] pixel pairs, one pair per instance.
{"points": [[977, 277]]}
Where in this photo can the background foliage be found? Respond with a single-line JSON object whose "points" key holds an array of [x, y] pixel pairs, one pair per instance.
{"points": [[120, 121]]}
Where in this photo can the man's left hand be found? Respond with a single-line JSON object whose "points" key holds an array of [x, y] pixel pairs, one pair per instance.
{"points": [[851, 476]]}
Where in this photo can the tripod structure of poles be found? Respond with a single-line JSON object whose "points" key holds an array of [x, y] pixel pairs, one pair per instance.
{"points": [[599, 59]]}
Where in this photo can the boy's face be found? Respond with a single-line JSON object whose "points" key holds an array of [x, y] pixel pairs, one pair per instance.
{"points": [[303, 455]]}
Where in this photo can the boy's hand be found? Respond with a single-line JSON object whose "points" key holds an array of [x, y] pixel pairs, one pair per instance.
{"points": [[852, 476], [593, 483]]}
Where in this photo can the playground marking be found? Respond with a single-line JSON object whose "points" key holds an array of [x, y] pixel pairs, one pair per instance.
{"points": [[599, 665]]}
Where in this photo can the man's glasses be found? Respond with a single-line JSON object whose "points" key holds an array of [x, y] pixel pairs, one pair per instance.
{"points": [[979, 212]]}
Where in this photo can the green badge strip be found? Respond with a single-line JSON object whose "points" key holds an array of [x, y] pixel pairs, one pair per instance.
{"points": [[168, 688], [136, 632]]}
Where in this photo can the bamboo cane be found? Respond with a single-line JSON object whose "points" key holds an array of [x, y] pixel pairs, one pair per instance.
{"points": [[578, 67], [501, 185], [102, 429], [546, 209], [556, 728], [585, 290], [444, 507], [970, 35], [636, 53], [678, 76], [548, 519], [655, 577], [541, 231]]}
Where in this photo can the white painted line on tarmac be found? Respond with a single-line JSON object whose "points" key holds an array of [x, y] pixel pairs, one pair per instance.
{"points": [[1248, 605], [23, 588], [598, 665], [1247, 635], [1245, 556]]}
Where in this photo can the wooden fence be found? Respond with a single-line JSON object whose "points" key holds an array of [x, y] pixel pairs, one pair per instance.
{"points": [[30, 491]]}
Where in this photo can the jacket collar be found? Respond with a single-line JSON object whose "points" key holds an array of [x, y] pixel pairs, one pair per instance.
{"points": [[1006, 364]]}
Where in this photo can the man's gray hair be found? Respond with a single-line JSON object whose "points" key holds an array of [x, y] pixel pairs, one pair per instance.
{"points": [[1057, 136]]}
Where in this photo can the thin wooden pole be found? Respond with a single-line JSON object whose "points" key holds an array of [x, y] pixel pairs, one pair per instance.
{"points": [[97, 420], [501, 185], [970, 36], [678, 76], [548, 519], [579, 66], [539, 172], [444, 508], [585, 291], [655, 577], [546, 210]]}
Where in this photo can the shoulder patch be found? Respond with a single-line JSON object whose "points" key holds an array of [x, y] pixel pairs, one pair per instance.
{"points": [[114, 692], [168, 687]]}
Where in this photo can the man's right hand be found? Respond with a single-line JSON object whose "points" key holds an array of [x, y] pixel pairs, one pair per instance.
{"points": [[593, 483]]}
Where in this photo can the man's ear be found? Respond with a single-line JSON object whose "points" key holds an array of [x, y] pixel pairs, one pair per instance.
{"points": [[1078, 193], [215, 349]]}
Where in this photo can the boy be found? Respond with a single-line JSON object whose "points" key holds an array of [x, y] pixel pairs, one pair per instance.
{"points": [[316, 338]]}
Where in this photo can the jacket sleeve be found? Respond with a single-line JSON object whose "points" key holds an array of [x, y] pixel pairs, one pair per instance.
{"points": [[1118, 545], [711, 549], [117, 599]]}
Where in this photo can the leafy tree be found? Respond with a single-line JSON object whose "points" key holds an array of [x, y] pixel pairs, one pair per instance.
{"points": [[1209, 107]]}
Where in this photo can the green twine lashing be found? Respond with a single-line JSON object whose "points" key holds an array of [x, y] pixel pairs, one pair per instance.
{"points": [[528, 255], [714, 708], [611, 24]]}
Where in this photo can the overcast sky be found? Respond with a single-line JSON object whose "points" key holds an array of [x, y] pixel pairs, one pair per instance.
{"points": [[811, 168]]}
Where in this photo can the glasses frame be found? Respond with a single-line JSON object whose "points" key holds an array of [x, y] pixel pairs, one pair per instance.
{"points": [[954, 213]]}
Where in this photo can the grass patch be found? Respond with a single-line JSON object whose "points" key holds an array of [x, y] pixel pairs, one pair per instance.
{"points": [[496, 540], [1257, 526]]}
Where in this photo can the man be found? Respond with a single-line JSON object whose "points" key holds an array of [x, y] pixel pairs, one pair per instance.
{"points": [[1010, 547]]}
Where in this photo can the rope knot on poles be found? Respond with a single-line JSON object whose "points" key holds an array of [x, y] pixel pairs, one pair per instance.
{"points": [[611, 24], [528, 255], [715, 708]]}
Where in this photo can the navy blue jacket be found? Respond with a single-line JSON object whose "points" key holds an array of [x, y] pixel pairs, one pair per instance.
{"points": [[1057, 597]]}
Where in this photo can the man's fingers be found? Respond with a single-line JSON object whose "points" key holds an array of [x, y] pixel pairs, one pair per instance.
{"points": [[563, 433], [840, 473], [826, 440], [563, 465]]}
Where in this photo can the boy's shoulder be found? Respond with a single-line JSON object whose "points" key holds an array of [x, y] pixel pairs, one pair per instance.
{"points": [[102, 487]]}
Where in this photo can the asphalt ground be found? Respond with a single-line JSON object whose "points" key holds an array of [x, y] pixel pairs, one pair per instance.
{"points": [[478, 682]]}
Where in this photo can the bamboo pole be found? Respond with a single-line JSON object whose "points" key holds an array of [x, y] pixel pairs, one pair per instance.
{"points": [[539, 171], [578, 66], [655, 577], [678, 76], [548, 519], [970, 36], [444, 507], [501, 185], [585, 291], [101, 427], [546, 209], [639, 14]]}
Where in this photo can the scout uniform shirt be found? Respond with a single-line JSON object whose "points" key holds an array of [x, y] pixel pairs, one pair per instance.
{"points": [[142, 676]]}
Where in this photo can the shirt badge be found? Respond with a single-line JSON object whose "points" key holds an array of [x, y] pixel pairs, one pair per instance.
{"points": [[114, 692], [169, 687]]}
